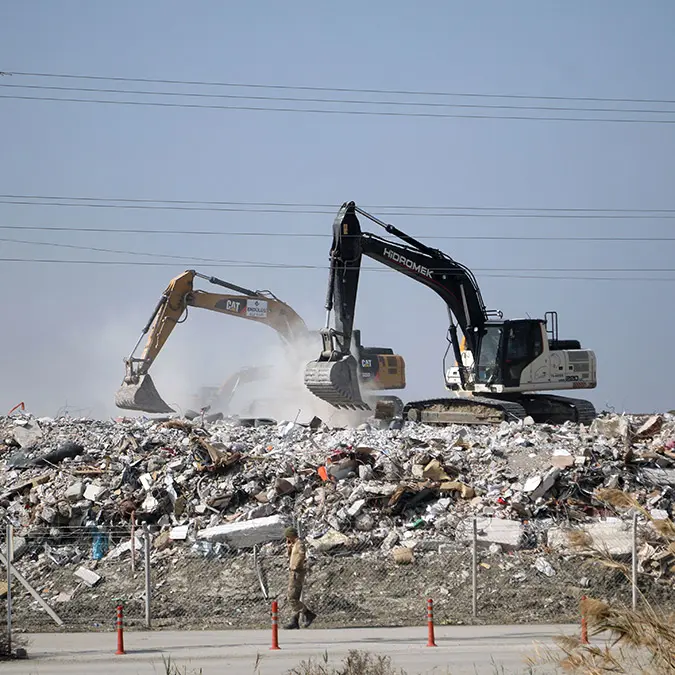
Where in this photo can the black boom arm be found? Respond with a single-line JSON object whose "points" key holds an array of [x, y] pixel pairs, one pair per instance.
{"points": [[452, 281]]}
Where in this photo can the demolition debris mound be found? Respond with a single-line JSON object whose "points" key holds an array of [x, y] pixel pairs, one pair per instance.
{"points": [[388, 515]]}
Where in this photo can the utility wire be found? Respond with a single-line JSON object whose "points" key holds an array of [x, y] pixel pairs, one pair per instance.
{"points": [[400, 92], [161, 264], [258, 264], [343, 101], [418, 207], [219, 233], [666, 215], [317, 111]]}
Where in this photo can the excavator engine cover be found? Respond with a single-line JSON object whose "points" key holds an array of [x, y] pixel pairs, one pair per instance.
{"points": [[336, 382], [142, 396]]}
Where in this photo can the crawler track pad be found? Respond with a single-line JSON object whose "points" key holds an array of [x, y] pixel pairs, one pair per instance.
{"points": [[142, 396], [336, 382]]}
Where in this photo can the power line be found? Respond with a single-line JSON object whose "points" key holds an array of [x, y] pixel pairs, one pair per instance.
{"points": [[159, 264], [316, 111], [419, 207], [262, 265], [343, 101], [219, 233], [154, 254], [400, 92], [665, 215]]}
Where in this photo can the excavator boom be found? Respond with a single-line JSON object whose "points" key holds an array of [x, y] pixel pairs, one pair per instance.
{"points": [[138, 391], [380, 368], [333, 377]]}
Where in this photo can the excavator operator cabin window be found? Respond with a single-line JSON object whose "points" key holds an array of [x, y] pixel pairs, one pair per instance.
{"points": [[518, 342]]}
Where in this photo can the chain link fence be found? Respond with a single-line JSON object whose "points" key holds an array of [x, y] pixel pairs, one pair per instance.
{"points": [[79, 575]]}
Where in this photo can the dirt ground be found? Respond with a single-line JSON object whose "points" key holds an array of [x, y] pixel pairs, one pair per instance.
{"points": [[353, 590]]}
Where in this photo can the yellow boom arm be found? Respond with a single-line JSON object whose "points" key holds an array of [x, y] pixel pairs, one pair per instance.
{"points": [[138, 391]]}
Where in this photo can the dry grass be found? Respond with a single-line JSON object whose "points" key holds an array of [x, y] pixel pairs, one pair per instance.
{"points": [[627, 642], [355, 663]]}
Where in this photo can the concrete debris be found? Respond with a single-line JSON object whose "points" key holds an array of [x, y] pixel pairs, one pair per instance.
{"points": [[506, 533], [205, 487], [544, 566], [95, 493], [612, 536], [246, 534], [88, 576]]}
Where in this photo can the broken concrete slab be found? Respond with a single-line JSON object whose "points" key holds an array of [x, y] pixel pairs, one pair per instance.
{"points": [[179, 533], [507, 533], [75, 491], [660, 476], [331, 539], [88, 576], [547, 484], [611, 427], [95, 493], [247, 533], [562, 458], [612, 536], [651, 427], [27, 433]]}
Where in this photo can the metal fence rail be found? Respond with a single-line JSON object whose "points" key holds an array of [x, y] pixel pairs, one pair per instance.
{"points": [[81, 574]]}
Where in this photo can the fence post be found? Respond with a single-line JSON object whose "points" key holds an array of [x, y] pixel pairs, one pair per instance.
{"points": [[634, 562], [10, 557], [133, 541], [148, 586], [474, 569]]}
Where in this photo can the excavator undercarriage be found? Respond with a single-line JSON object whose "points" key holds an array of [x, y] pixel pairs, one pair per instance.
{"points": [[542, 408]]}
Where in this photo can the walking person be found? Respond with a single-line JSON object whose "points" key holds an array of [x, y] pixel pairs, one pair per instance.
{"points": [[295, 549]]}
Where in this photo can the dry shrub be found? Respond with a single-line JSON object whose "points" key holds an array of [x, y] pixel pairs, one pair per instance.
{"points": [[638, 643], [626, 642], [355, 663]]}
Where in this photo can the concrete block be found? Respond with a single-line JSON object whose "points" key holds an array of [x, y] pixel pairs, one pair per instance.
{"points": [[94, 493], [75, 491], [660, 476], [508, 533], [90, 578], [247, 533], [356, 507], [48, 514], [613, 536], [179, 533], [329, 540]]}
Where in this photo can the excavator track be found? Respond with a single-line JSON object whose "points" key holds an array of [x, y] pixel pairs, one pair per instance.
{"points": [[551, 409], [469, 410]]}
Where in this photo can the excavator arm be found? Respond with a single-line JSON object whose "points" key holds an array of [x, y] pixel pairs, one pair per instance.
{"points": [[333, 377], [138, 392]]}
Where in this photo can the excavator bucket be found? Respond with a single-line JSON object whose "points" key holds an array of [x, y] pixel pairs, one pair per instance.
{"points": [[336, 382], [142, 396]]}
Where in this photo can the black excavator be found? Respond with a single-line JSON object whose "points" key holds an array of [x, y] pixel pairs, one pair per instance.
{"points": [[500, 365]]}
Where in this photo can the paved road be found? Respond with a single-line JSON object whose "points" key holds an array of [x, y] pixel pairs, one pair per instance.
{"points": [[461, 650]]}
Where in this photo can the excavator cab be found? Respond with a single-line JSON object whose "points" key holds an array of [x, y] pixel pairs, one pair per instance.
{"points": [[522, 355], [505, 349]]}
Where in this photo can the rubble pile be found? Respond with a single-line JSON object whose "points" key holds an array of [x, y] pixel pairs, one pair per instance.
{"points": [[206, 489]]}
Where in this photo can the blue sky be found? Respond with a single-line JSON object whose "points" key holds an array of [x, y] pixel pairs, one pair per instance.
{"points": [[67, 326]]}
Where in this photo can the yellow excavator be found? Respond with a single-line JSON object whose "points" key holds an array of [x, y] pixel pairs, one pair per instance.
{"points": [[378, 368]]}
